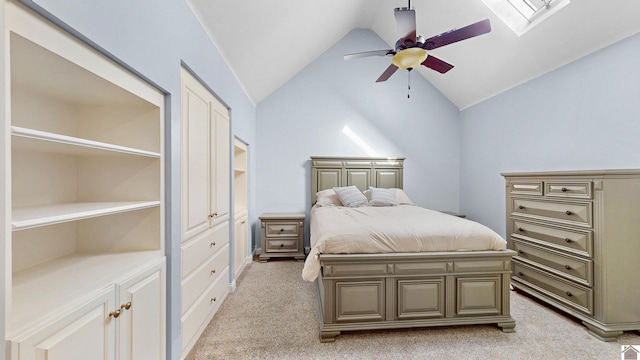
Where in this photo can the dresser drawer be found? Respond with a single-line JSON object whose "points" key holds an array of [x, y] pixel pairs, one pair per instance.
{"points": [[525, 187], [282, 245], [198, 249], [568, 189], [197, 318], [277, 229], [574, 213], [571, 267], [579, 242], [196, 284], [572, 295]]}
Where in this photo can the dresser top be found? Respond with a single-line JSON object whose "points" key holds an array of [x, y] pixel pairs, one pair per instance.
{"points": [[598, 173], [285, 216]]}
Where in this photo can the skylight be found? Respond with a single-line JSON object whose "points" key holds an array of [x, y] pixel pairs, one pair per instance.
{"points": [[523, 15]]}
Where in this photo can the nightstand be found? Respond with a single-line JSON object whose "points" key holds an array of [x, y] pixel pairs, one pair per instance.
{"points": [[282, 235]]}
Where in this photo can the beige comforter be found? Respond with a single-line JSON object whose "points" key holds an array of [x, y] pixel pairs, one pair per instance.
{"points": [[403, 228]]}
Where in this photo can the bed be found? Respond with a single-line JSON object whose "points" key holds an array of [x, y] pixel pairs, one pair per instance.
{"points": [[369, 282]]}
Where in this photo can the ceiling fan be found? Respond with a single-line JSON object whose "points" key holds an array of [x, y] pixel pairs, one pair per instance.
{"points": [[411, 49]]}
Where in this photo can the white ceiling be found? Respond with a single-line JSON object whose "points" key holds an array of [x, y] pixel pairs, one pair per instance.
{"points": [[266, 43]]}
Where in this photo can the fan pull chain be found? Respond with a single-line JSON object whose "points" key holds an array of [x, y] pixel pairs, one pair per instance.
{"points": [[409, 85]]}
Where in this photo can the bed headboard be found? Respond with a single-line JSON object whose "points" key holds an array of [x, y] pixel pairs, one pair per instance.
{"points": [[327, 172]]}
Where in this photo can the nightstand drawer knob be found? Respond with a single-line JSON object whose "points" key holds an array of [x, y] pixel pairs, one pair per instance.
{"points": [[568, 212]]}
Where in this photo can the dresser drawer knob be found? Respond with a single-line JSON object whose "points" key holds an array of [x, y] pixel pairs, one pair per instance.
{"points": [[520, 252], [520, 229], [568, 212], [281, 230], [521, 273], [569, 293], [568, 240], [520, 207], [567, 267], [564, 189], [281, 245]]}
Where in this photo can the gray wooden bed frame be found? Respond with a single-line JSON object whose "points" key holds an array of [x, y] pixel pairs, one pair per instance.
{"points": [[404, 290]]}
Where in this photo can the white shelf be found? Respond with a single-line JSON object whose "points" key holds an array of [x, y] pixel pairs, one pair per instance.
{"points": [[66, 280], [51, 142], [29, 217]]}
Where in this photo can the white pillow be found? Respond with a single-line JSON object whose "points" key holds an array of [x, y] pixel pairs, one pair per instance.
{"points": [[402, 198], [351, 196], [382, 197], [327, 197]]}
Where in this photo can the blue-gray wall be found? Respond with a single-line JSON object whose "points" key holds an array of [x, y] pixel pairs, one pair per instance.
{"points": [[585, 115], [154, 38], [306, 117]]}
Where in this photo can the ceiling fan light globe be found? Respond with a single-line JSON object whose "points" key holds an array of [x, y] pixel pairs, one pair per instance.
{"points": [[409, 58]]}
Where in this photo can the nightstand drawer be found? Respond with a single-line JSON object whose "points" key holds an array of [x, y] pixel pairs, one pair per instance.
{"points": [[568, 189], [525, 187], [573, 268], [276, 229], [579, 242], [282, 245], [564, 212], [575, 296]]}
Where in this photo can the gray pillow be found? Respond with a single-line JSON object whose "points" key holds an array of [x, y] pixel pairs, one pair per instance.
{"points": [[382, 197], [351, 196]]}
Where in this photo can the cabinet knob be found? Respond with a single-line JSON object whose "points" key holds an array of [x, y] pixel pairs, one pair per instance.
{"points": [[564, 189], [115, 314], [568, 212], [213, 271], [569, 293], [568, 240], [213, 215], [243, 222], [126, 306], [212, 244], [520, 207], [213, 299], [567, 267]]}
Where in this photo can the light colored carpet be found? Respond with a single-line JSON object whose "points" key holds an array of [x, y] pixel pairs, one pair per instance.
{"points": [[273, 315]]}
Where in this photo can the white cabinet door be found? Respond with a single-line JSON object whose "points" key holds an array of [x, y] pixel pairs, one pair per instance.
{"points": [[205, 159], [241, 245], [141, 324], [86, 333]]}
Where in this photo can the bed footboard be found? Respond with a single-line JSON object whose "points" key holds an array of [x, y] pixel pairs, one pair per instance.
{"points": [[384, 291]]}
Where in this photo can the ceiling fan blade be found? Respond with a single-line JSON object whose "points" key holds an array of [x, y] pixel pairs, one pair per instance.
{"points": [[387, 73], [455, 35], [406, 24], [369, 53], [436, 64]]}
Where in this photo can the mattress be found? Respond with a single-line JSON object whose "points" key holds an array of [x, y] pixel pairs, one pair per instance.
{"points": [[388, 229]]}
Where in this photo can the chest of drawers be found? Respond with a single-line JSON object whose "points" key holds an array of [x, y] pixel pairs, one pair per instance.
{"points": [[282, 235], [577, 234]]}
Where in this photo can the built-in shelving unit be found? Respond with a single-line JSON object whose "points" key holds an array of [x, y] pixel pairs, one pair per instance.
{"points": [[240, 177], [86, 190]]}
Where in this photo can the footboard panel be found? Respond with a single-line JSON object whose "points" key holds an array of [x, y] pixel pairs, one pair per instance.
{"points": [[382, 291]]}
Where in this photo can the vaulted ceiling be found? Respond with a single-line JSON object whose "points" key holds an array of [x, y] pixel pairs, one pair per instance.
{"points": [[267, 42]]}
